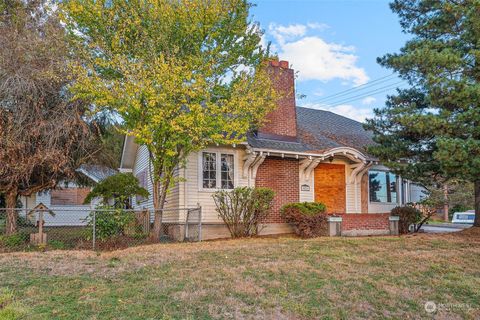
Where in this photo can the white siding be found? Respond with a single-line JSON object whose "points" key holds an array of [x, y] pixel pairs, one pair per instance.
{"points": [[306, 196], [193, 194], [142, 165], [354, 196], [43, 197], [73, 215], [187, 193], [417, 193]]}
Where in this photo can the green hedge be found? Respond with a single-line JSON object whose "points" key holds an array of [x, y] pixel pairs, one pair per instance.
{"points": [[308, 208], [308, 218]]}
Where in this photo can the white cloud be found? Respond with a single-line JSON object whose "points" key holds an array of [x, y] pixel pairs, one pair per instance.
{"points": [[368, 100], [318, 26], [346, 110], [285, 33], [314, 58]]}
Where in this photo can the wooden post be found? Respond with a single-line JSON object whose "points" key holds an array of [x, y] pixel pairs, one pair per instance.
{"points": [[40, 225]]}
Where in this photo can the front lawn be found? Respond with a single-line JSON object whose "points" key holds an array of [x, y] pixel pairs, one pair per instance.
{"points": [[285, 278]]}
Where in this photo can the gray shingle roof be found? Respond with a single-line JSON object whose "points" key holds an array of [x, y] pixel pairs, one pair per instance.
{"points": [[319, 130], [96, 172]]}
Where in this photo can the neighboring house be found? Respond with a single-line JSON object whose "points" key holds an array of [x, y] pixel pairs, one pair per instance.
{"points": [[67, 200], [302, 154]]}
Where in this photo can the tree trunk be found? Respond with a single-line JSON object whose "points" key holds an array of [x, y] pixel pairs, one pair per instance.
{"points": [[11, 223], [476, 223], [446, 206], [160, 189]]}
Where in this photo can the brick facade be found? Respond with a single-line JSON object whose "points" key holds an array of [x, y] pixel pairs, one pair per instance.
{"points": [[282, 176], [282, 122], [365, 221]]}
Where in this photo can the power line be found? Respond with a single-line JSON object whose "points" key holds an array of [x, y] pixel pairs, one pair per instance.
{"points": [[363, 95], [357, 88]]}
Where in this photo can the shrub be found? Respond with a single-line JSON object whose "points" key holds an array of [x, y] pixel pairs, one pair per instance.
{"points": [[308, 218], [23, 221], [14, 240], [57, 245], [120, 188], [408, 215], [110, 222], [243, 209]]}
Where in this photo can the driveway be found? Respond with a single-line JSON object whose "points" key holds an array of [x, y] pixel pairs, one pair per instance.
{"points": [[444, 227]]}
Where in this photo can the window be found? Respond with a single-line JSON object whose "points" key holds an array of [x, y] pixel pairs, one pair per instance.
{"points": [[383, 186], [226, 180], [217, 170], [209, 170]]}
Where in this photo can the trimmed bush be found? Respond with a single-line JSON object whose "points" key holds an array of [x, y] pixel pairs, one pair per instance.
{"points": [[408, 215], [243, 209], [308, 218]]}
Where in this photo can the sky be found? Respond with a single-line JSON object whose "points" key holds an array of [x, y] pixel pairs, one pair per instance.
{"points": [[333, 46]]}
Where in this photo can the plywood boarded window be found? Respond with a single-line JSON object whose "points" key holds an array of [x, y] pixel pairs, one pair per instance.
{"points": [[69, 196], [330, 186]]}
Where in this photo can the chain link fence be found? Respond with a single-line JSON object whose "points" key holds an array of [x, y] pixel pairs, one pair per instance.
{"points": [[94, 229]]}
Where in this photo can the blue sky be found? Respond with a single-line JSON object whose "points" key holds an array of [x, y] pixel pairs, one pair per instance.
{"points": [[333, 45]]}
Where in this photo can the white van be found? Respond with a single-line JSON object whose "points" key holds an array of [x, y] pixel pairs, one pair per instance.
{"points": [[464, 217]]}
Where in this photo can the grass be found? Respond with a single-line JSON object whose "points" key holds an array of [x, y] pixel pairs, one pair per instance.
{"points": [[9, 308], [284, 278]]}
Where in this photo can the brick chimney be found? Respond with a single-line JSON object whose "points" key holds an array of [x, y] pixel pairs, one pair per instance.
{"points": [[281, 123]]}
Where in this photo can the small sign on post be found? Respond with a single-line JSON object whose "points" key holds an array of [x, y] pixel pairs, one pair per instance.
{"points": [[40, 237]]}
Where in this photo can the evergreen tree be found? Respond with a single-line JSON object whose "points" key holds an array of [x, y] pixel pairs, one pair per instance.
{"points": [[430, 132]]}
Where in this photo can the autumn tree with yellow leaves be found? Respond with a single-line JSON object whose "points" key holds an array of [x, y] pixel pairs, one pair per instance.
{"points": [[181, 74]]}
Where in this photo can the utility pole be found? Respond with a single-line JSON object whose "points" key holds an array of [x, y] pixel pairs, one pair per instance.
{"points": [[445, 203]]}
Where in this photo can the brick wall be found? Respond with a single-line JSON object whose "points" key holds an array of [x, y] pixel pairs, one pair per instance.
{"points": [[373, 221], [283, 120], [281, 175]]}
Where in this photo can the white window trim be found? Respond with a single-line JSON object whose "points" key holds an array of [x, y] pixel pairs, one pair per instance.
{"points": [[218, 175], [396, 189]]}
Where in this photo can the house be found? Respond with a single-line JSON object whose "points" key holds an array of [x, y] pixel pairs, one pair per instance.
{"points": [[67, 200], [303, 155]]}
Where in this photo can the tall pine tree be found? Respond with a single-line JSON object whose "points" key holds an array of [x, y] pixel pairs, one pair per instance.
{"points": [[430, 132]]}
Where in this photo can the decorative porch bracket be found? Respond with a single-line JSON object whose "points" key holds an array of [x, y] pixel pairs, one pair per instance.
{"points": [[250, 167], [308, 170], [358, 170]]}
